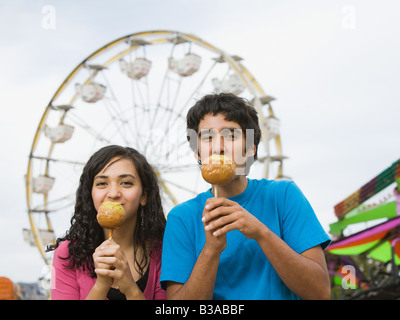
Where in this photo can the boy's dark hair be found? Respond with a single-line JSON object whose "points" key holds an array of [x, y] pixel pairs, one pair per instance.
{"points": [[234, 108]]}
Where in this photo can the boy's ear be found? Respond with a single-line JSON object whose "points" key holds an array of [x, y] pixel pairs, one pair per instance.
{"points": [[251, 151], [197, 156]]}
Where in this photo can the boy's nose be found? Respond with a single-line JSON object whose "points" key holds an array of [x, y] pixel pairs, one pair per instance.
{"points": [[218, 146]]}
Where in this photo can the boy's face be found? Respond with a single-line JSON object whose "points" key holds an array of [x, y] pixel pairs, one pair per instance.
{"points": [[218, 136]]}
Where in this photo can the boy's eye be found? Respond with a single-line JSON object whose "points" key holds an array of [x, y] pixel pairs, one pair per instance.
{"points": [[228, 134], [231, 134], [206, 136]]}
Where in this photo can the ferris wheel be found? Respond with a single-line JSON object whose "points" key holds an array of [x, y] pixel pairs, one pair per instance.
{"points": [[135, 91]]}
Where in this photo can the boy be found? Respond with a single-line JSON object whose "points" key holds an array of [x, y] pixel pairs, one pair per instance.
{"points": [[260, 239]]}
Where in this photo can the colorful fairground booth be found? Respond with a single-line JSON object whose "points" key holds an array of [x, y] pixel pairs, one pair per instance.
{"points": [[364, 258]]}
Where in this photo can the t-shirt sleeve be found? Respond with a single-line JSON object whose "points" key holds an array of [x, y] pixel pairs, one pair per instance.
{"points": [[64, 285], [301, 228], [179, 254]]}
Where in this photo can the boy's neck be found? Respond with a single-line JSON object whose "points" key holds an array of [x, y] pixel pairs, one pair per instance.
{"points": [[233, 188]]}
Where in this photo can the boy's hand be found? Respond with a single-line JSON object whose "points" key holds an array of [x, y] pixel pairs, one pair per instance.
{"points": [[222, 215]]}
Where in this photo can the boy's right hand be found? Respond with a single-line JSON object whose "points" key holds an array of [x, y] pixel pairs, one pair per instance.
{"points": [[217, 243]]}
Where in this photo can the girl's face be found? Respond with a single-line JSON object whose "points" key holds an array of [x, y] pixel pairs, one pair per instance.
{"points": [[119, 182]]}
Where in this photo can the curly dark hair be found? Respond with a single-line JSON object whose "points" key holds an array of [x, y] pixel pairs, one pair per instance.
{"points": [[234, 108], [85, 233]]}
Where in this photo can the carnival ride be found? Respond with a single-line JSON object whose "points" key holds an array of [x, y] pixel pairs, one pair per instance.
{"points": [[365, 264], [135, 91]]}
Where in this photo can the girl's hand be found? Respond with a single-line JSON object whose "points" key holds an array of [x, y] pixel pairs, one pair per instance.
{"points": [[114, 265], [102, 280]]}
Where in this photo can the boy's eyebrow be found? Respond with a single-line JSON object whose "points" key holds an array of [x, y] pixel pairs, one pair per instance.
{"points": [[203, 131]]}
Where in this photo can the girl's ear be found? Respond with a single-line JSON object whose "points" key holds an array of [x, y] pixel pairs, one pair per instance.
{"points": [[143, 199]]}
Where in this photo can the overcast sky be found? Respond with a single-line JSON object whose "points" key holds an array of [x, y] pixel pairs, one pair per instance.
{"points": [[332, 65]]}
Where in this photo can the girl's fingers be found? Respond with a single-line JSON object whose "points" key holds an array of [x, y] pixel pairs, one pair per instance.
{"points": [[109, 250], [107, 260], [105, 272]]}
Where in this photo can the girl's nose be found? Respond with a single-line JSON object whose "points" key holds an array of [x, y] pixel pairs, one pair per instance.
{"points": [[114, 191]]}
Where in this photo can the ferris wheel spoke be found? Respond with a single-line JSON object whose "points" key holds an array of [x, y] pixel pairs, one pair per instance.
{"points": [[177, 147], [178, 114], [58, 160], [177, 168], [117, 113], [171, 125], [143, 101], [88, 128], [159, 106], [165, 89], [116, 106], [179, 186], [56, 204], [169, 110], [142, 104], [118, 123], [171, 152], [196, 90]]}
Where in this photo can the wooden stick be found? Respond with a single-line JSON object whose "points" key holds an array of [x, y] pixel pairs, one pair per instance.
{"points": [[110, 234], [215, 191]]}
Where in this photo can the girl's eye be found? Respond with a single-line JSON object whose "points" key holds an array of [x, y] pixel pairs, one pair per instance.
{"points": [[101, 184], [127, 183]]}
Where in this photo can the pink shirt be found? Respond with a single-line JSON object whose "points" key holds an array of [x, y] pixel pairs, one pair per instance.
{"points": [[75, 284]]}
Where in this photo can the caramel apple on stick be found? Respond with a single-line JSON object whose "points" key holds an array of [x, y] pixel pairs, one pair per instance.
{"points": [[218, 170], [110, 215]]}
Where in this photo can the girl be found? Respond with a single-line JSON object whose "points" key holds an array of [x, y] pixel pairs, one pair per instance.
{"points": [[85, 265]]}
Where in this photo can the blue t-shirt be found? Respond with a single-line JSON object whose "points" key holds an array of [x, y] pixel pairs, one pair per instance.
{"points": [[244, 272]]}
